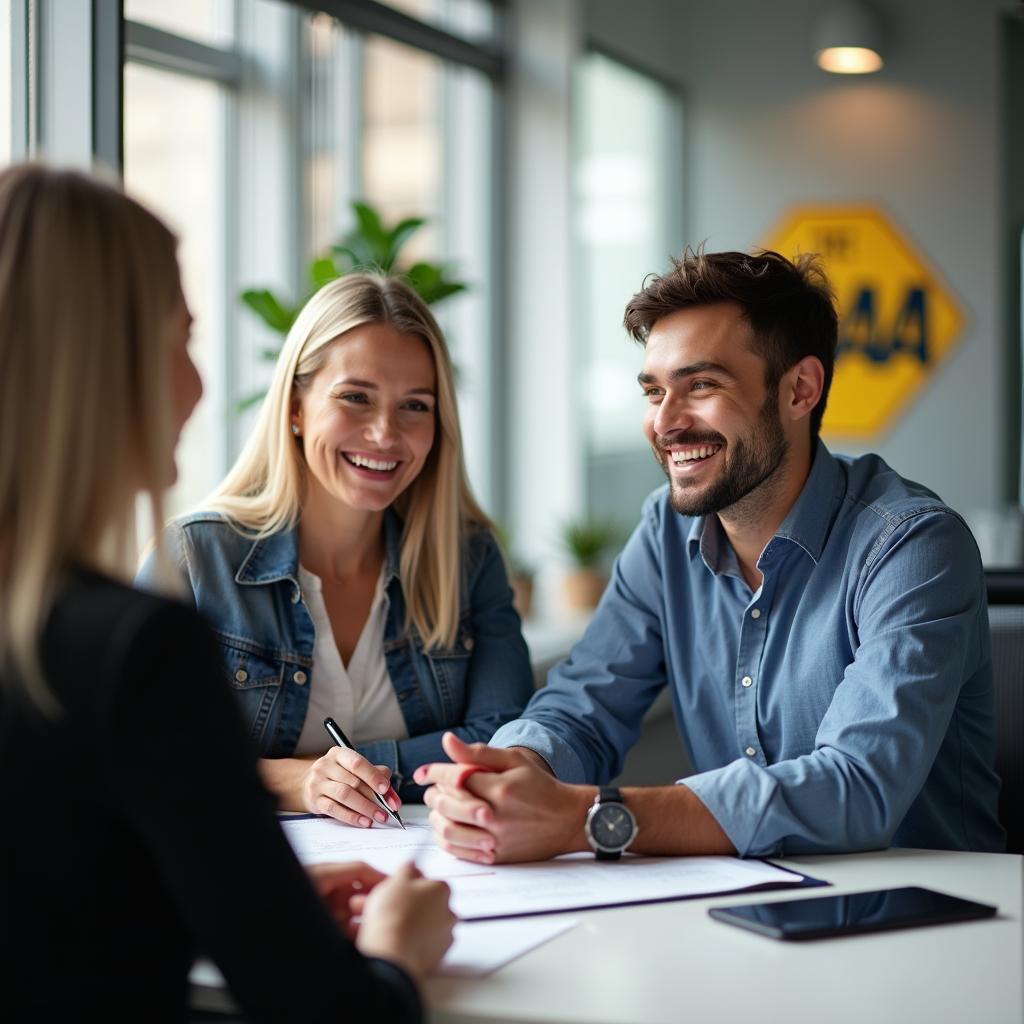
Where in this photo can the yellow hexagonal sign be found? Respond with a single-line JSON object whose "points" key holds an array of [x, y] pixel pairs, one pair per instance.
{"points": [[897, 320]]}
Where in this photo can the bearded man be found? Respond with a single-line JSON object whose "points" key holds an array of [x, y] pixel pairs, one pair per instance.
{"points": [[820, 621]]}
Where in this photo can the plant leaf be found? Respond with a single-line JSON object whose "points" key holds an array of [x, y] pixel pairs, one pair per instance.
{"points": [[270, 309], [399, 235], [431, 283], [377, 240], [321, 271], [442, 290], [345, 252]]}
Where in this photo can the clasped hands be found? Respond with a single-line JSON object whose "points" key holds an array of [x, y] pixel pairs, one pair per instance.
{"points": [[492, 805]]}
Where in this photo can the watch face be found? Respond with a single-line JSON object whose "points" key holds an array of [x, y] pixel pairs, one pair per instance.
{"points": [[611, 826]]}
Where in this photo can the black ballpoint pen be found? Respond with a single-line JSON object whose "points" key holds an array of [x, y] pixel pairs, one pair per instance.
{"points": [[334, 731]]}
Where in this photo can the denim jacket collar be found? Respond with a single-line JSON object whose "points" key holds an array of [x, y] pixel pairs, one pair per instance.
{"points": [[807, 523], [275, 558]]}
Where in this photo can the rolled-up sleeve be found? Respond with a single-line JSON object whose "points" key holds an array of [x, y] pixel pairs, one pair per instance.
{"points": [[588, 716]]}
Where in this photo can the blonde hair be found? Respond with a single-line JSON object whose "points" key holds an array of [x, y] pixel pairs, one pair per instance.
{"points": [[264, 491], [88, 280]]}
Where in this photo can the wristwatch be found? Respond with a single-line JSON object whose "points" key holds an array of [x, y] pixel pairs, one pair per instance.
{"points": [[610, 824]]}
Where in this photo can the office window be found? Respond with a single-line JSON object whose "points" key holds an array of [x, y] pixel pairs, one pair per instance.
{"points": [[628, 196], [173, 161], [411, 133], [402, 137], [251, 125]]}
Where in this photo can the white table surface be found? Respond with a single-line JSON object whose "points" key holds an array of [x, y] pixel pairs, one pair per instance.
{"points": [[670, 962]]}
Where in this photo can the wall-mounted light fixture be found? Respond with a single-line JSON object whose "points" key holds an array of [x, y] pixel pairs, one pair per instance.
{"points": [[847, 39]]}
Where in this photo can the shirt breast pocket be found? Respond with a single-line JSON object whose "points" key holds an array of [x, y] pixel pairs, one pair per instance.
{"points": [[256, 678]]}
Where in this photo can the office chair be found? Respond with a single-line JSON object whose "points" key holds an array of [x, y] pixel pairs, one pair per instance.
{"points": [[1006, 621]]}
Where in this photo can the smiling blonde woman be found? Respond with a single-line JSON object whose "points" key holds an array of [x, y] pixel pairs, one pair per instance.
{"points": [[346, 567]]}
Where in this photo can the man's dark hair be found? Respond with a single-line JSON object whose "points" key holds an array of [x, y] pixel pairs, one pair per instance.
{"points": [[789, 305]]}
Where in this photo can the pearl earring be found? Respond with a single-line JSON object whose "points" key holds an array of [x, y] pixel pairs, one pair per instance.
{"points": [[295, 429]]}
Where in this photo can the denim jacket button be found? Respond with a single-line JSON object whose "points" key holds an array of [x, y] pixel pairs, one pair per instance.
{"points": [[241, 675], [299, 677], [468, 643]]}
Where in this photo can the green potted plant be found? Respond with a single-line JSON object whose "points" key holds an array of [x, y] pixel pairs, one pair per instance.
{"points": [[587, 542], [371, 245]]}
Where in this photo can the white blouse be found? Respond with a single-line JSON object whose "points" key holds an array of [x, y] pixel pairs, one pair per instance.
{"points": [[359, 696]]}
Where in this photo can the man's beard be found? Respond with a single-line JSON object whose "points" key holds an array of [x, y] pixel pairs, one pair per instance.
{"points": [[751, 461]]}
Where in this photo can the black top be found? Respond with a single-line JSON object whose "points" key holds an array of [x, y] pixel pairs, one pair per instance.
{"points": [[136, 834]]}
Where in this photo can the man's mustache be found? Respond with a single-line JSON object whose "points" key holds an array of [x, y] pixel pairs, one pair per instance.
{"points": [[662, 442]]}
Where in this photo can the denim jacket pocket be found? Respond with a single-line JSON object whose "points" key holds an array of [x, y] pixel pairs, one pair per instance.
{"points": [[256, 678], [449, 667]]}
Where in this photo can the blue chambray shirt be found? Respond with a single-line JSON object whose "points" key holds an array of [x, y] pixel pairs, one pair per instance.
{"points": [[846, 705]]}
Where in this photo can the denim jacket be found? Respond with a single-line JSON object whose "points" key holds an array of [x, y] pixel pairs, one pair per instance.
{"points": [[249, 592]]}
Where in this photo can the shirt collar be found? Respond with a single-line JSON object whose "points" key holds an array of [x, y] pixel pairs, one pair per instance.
{"points": [[707, 539], [807, 524], [276, 557], [810, 520]]}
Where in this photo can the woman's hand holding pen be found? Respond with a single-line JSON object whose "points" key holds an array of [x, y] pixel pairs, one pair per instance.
{"points": [[406, 919], [342, 784]]}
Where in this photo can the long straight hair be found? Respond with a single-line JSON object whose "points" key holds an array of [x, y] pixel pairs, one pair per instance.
{"points": [[264, 491], [88, 282]]}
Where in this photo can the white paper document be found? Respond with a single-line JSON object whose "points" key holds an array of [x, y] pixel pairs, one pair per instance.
{"points": [[385, 847], [478, 948], [572, 882], [577, 881], [481, 947]]}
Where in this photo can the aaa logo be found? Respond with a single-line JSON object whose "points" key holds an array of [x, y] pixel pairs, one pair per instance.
{"points": [[897, 320]]}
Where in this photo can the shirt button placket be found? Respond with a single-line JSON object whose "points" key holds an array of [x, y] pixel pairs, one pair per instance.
{"points": [[752, 637]]}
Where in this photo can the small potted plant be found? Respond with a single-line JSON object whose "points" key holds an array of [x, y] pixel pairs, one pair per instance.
{"points": [[520, 574], [587, 543]]}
